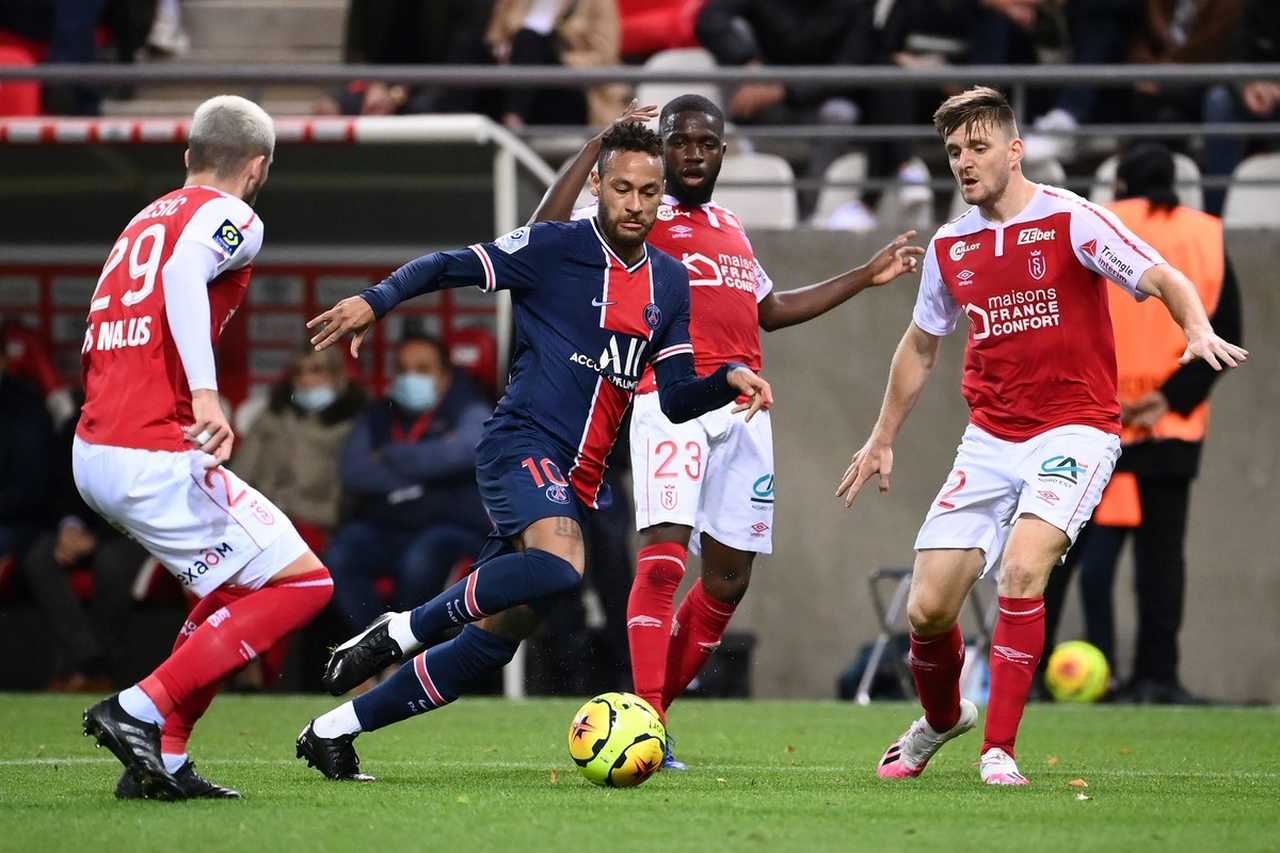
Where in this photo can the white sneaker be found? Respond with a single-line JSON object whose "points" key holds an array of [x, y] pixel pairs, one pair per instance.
{"points": [[1039, 146], [907, 756], [999, 768]]}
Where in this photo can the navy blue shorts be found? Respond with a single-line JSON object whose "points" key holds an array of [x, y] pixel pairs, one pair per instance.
{"points": [[522, 480]]}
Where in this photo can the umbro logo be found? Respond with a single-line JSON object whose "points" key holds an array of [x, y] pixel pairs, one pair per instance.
{"points": [[708, 648], [644, 622], [965, 277], [597, 303], [1012, 655]]}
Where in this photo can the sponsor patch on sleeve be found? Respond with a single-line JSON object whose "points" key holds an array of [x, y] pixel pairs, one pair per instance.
{"points": [[513, 242], [228, 236]]}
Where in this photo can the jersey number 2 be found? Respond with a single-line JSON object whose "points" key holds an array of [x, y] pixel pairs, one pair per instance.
{"points": [[140, 267]]}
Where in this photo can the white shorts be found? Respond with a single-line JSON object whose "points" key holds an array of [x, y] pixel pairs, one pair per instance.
{"points": [[1058, 476], [713, 473], [206, 526]]}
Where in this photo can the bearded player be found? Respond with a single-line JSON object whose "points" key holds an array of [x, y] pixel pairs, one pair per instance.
{"points": [[594, 306], [1043, 437], [152, 438], [705, 485]]}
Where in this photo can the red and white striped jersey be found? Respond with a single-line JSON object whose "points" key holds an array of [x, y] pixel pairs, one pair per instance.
{"points": [[1040, 352], [136, 392]]}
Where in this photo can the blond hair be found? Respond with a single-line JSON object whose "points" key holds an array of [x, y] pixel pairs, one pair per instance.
{"points": [[981, 106], [226, 131]]}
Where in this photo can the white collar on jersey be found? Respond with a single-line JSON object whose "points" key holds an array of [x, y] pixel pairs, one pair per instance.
{"points": [[1028, 211], [644, 257]]}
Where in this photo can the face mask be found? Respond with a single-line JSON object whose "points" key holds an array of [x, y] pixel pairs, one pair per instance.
{"points": [[414, 391], [316, 398]]}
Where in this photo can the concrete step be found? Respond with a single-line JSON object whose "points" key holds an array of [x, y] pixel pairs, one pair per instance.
{"points": [[275, 28]]}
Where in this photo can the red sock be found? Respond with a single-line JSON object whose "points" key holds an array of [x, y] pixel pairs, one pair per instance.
{"points": [[1016, 647], [659, 570], [233, 634], [935, 664], [695, 635]]}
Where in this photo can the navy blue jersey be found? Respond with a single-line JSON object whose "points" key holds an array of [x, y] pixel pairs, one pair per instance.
{"points": [[587, 324]]}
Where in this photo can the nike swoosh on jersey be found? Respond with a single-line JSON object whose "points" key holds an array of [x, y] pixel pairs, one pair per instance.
{"points": [[596, 303]]}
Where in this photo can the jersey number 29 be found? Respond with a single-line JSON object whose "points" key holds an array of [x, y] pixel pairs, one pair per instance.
{"points": [[151, 243]]}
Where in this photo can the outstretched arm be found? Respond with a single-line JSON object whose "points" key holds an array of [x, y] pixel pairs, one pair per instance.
{"points": [[790, 307], [683, 396], [1180, 297], [912, 362], [557, 204]]}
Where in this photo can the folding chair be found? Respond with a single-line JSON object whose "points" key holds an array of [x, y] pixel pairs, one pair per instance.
{"points": [[888, 618]]}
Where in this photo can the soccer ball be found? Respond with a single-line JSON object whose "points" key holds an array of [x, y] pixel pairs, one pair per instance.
{"points": [[1077, 672], [617, 740]]}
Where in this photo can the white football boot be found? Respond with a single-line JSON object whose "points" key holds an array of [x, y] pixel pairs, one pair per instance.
{"points": [[909, 754], [999, 768]]}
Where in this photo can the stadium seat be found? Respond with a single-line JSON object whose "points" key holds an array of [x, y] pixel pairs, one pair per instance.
{"points": [[1185, 169], [847, 169], [1042, 172], [475, 351], [18, 97], [681, 59], [1253, 207], [759, 206]]}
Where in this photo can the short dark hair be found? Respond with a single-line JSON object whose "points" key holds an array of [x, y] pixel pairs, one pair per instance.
{"points": [[980, 106], [416, 337], [1147, 171], [628, 136], [690, 104]]}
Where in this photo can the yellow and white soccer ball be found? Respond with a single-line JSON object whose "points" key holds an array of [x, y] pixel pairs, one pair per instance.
{"points": [[617, 740], [1077, 672]]}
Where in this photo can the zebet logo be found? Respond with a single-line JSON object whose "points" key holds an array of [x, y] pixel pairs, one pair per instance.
{"points": [[619, 366], [1062, 468]]}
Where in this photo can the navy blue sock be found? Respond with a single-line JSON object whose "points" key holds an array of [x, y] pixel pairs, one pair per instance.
{"points": [[433, 678], [500, 583]]}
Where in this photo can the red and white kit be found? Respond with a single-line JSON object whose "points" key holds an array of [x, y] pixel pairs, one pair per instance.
{"points": [[714, 473], [1040, 367], [132, 463]]}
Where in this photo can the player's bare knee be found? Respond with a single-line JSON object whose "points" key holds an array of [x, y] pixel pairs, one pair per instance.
{"points": [[930, 615], [727, 588], [1022, 578], [665, 534]]}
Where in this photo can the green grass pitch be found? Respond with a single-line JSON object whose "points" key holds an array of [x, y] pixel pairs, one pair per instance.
{"points": [[491, 775]]}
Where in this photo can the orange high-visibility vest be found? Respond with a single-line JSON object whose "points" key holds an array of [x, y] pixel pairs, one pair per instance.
{"points": [[1149, 342]]}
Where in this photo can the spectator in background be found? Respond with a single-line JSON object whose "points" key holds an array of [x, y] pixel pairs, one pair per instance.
{"points": [[408, 470], [412, 32], [821, 32], [25, 440], [70, 29], [1257, 40], [1181, 32], [27, 354], [1101, 32], [291, 451], [572, 33], [89, 640], [1165, 414], [649, 26]]}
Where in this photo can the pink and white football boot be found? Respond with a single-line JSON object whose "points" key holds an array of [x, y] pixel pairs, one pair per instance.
{"points": [[999, 768], [907, 756]]}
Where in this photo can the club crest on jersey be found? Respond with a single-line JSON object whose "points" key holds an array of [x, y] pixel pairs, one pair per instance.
{"points": [[652, 315], [513, 241], [670, 497], [228, 237], [1036, 265], [557, 493], [960, 248]]}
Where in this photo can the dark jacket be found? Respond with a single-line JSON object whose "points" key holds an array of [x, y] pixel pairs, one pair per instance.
{"points": [[412, 484], [26, 445], [788, 32], [1259, 37], [1187, 388]]}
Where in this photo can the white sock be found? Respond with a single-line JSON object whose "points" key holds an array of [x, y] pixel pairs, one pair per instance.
{"points": [[173, 763], [402, 632], [138, 704], [341, 720]]}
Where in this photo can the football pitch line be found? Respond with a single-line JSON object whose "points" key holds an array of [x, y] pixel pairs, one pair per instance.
{"points": [[427, 764]]}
